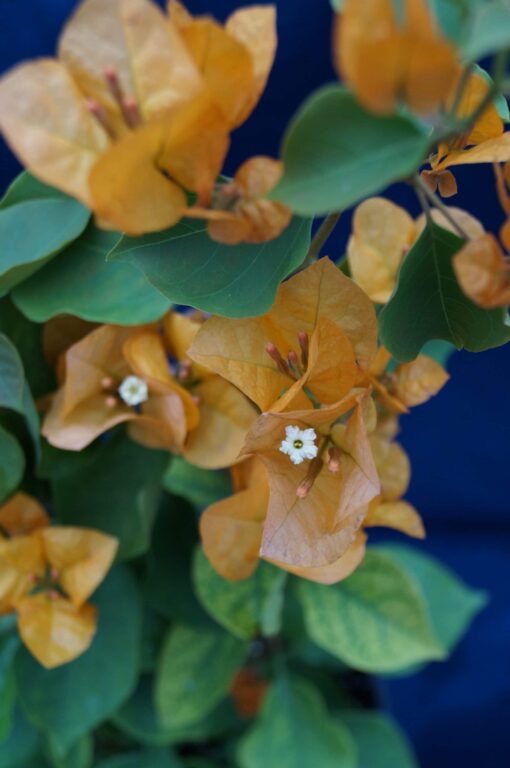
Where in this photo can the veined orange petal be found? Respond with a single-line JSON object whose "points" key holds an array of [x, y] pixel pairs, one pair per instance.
{"points": [[22, 563], [483, 272], [331, 574], [54, 630], [225, 418], [418, 381], [393, 467], [395, 514], [44, 118], [22, 515], [162, 423], [82, 557]]}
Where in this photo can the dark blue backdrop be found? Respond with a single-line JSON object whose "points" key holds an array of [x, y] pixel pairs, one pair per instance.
{"points": [[457, 714]]}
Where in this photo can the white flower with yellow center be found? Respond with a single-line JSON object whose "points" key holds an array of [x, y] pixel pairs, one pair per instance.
{"points": [[299, 444], [134, 390]]}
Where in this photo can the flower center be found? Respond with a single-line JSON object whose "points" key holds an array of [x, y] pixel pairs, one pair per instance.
{"points": [[134, 390], [298, 444]]}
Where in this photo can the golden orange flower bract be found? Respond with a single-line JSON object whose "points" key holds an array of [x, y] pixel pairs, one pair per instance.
{"points": [[319, 301], [129, 119], [46, 575], [483, 272], [386, 60]]}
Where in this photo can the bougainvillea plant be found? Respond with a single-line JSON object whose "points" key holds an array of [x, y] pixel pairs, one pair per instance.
{"points": [[199, 410]]}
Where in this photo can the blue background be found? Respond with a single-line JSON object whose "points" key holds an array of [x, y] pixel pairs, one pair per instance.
{"points": [[458, 713]]}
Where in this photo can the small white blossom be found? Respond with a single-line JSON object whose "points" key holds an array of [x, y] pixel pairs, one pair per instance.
{"points": [[134, 390], [299, 444]]}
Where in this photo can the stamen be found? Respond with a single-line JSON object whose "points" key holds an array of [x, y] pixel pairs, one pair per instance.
{"points": [[196, 399], [304, 345], [275, 354], [101, 116], [108, 383], [334, 459], [53, 594], [131, 112], [293, 361], [306, 485], [54, 574], [184, 370], [111, 401]]}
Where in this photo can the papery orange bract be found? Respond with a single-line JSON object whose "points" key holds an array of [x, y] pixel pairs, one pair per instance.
{"points": [[54, 630], [239, 212], [236, 349], [385, 60], [382, 234], [316, 530], [495, 150], [22, 562], [80, 410], [133, 165], [22, 514], [248, 691], [80, 557], [231, 529], [416, 382], [483, 272], [399, 515], [235, 59], [225, 417]]}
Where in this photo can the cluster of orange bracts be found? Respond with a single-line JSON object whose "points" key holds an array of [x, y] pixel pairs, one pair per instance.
{"points": [[224, 393]]}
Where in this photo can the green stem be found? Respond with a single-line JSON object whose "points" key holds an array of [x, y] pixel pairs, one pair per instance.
{"points": [[320, 238], [436, 201]]}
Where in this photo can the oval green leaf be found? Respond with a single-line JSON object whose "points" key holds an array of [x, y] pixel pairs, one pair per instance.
{"points": [[235, 281], [335, 153], [375, 621], [428, 303], [12, 464]]}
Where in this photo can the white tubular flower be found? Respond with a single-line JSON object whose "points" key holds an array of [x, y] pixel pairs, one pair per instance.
{"points": [[134, 390], [299, 444]]}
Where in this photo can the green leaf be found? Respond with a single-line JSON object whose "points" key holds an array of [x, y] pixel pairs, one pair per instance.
{"points": [[236, 281], [374, 621], [22, 743], [489, 29], [168, 586], [69, 701], [81, 755], [80, 282], [9, 644], [195, 673], [27, 337], [12, 464], [139, 720], [14, 391], [294, 730], [380, 742], [150, 758], [245, 608], [201, 487], [429, 304], [452, 605], [36, 223], [454, 17], [119, 490], [335, 153]]}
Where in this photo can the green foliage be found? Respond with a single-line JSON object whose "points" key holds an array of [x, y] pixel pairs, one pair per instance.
{"points": [[65, 703], [168, 564], [336, 154], [119, 489], [195, 672], [14, 391], [22, 743], [375, 621], [79, 281], [451, 605], [295, 730], [245, 608], [488, 30], [189, 268], [199, 486], [12, 464], [150, 758], [36, 222], [9, 644], [380, 742], [139, 720], [429, 304], [80, 755]]}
